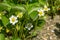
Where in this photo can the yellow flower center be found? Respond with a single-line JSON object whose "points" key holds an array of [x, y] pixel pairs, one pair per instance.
{"points": [[20, 15], [1, 28], [13, 19], [7, 30], [40, 13], [46, 8]]}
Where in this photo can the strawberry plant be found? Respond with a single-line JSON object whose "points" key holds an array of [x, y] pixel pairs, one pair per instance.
{"points": [[19, 17]]}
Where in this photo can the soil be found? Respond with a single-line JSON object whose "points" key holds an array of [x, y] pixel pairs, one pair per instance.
{"points": [[50, 30]]}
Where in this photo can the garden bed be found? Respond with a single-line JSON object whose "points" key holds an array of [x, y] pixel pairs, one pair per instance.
{"points": [[29, 19]]}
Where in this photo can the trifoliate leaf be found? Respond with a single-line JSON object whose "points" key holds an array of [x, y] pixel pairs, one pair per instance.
{"points": [[34, 15]]}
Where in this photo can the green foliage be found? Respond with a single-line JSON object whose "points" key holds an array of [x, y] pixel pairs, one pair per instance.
{"points": [[54, 7], [41, 22], [5, 20], [33, 33], [2, 37], [4, 6], [21, 17], [16, 39], [34, 15], [42, 2]]}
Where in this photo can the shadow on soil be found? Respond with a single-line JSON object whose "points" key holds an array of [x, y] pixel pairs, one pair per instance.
{"points": [[57, 31]]}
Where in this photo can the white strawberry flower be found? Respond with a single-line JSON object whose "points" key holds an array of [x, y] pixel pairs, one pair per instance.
{"points": [[46, 8], [13, 20], [41, 12], [29, 26]]}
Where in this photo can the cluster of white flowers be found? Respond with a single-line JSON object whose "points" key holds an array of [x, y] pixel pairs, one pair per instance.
{"points": [[13, 19], [41, 11]]}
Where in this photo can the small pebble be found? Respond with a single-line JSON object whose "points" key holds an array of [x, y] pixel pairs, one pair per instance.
{"points": [[50, 37], [45, 38], [52, 30], [52, 25], [48, 28]]}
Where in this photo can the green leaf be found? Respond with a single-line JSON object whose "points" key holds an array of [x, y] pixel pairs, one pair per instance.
{"points": [[5, 20], [39, 28], [2, 37], [5, 6], [32, 9], [33, 1], [7, 38], [42, 2], [34, 15], [16, 39], [41, 22], [34, 34], [16, 8]]}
